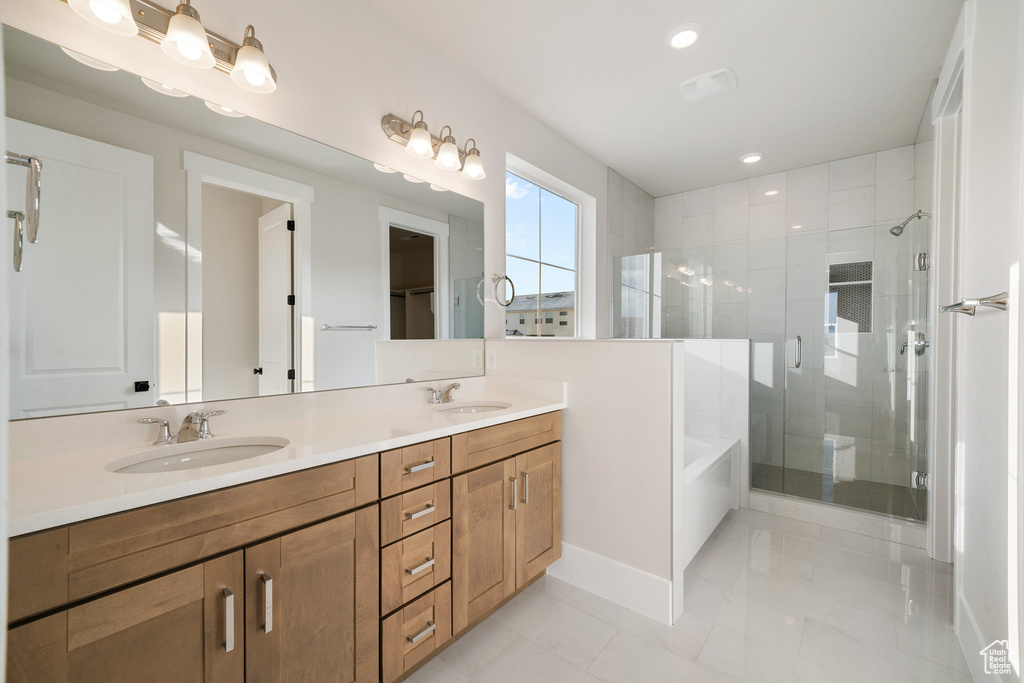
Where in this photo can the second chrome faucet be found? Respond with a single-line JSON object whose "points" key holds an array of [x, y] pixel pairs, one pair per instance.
{"points": [[443, 395]]}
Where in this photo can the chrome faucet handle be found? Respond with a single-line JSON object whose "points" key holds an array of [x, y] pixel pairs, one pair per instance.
{"points": [[165, 429], [204, 422], [435, 395]]}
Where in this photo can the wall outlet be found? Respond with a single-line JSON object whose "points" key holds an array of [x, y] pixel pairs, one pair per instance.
{"points": [[492, 359], [478, 359]]}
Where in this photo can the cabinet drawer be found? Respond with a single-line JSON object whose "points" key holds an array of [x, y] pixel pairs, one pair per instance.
{"points": [[413, 633], [414, 511], [111, 551], [414, 566], [484, 446], [404, 469], [38, 574]]}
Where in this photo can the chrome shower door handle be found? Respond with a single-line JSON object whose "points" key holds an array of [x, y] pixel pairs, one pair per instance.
{"points": [[798, 358]]}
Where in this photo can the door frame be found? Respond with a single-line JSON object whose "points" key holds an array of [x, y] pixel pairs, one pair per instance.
{"points": [[442, 295], [946, 118], [200, 169]]}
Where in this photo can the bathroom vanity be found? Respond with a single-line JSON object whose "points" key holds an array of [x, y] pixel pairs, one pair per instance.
{"points": [[357, 570]]}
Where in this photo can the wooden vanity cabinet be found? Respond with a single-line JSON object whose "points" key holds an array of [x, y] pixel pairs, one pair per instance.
{"points": [[506, 529], [174, 629]]}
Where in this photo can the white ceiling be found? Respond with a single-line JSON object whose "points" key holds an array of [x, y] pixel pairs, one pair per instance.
{"points": [[818, 79]]}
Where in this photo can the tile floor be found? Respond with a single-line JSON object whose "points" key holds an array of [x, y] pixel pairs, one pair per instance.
{"points": [[768, 599]]}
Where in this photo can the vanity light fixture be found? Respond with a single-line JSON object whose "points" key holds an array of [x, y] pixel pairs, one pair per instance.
{"points": [[88, 61], [448, 152], [384, 169], [473, 166], [684, 35], [163, 89], [418, 142], [186, 40], [223, 111], [752, 157], [110, 15], [252, 71]]}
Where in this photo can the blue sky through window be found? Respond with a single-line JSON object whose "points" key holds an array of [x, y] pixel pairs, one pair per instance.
{"points": [[539, 226]]}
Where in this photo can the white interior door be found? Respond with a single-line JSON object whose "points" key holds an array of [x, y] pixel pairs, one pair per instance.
{"points": [[275, 246], [82, 314]]}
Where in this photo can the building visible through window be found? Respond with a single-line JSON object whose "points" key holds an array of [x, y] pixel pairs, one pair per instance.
{"points": [[541, 246]]}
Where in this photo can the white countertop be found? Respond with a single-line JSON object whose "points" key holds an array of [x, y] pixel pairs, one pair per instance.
{"points": [[52, 491]]}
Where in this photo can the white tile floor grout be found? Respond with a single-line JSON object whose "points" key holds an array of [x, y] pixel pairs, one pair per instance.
{"points": [[767, 599]]}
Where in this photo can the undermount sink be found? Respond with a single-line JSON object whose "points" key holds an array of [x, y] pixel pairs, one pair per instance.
{"points": [[472, 407], [195, 454]]}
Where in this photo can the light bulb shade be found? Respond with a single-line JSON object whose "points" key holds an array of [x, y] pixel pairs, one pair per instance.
{"points": [[448, 155], [473, 168], [420, 145], [186, 40], [252, 70], [111, 15]]}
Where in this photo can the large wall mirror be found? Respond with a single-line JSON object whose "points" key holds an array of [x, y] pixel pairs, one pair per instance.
{"points": [[186, 254]]}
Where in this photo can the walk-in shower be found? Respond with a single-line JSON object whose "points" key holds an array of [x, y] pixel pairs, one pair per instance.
{"points": [[839, 328]]}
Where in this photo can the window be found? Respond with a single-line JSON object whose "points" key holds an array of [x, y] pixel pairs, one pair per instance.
{"points": [[541, 244]]}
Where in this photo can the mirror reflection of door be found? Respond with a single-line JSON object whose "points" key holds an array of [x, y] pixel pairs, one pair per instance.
{"points": [[412, 284], [82, 314], [247, 280]]}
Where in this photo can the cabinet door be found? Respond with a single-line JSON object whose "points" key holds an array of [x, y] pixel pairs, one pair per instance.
{"points": [[171, 629], [483, 541], [539, 511], [312, 603]]}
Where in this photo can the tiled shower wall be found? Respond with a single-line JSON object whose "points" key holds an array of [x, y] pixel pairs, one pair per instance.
{"points": [[630, 217], [750, 260]]}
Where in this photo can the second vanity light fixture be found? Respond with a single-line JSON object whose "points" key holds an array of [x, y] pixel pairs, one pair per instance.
{"points": [[445, 152], [182, 37]]}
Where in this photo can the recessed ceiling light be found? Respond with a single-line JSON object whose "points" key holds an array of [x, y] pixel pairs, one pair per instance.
{"points": [[684, 35], [384, 169], [89, 61], [438, 188], [411, 179], [752, 158], [771, 193], [223, 111], [163, 89]]}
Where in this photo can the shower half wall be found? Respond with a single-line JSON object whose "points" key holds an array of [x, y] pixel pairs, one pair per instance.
{"points": [[841, 415]]}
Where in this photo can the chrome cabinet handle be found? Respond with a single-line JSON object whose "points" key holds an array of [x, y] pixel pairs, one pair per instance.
{"points": [[970, 306], [416, 515], [422, 634], [416, 570], [229, 620], [515, 493], [19, 237], [413, 469], [799, 359], [526, 487], [268, 602]]}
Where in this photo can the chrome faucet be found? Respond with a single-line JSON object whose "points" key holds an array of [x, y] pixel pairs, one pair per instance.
{"points": [[443, 395], [195, 426]]}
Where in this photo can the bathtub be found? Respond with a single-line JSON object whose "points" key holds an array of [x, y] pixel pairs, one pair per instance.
{"points": [[710, 488]]}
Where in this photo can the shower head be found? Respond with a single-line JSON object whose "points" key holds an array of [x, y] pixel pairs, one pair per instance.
{"points": [[897, 230]]}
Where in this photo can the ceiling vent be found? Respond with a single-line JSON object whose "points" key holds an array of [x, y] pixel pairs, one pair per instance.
{"points": [[708, 85]]}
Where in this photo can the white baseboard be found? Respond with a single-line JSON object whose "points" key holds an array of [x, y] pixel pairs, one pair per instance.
{"points": [[630, 587], [972, 641]]}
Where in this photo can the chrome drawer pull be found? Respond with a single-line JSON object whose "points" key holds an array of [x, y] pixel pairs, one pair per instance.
{"points": [[422, 634], [229, 620], [419, 468], [515, 493], [416, 570], [526, 487], [416, 515], [268, 602]]}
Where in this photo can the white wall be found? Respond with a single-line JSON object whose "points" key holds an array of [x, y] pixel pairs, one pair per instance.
{"points": [[376, 67]]}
